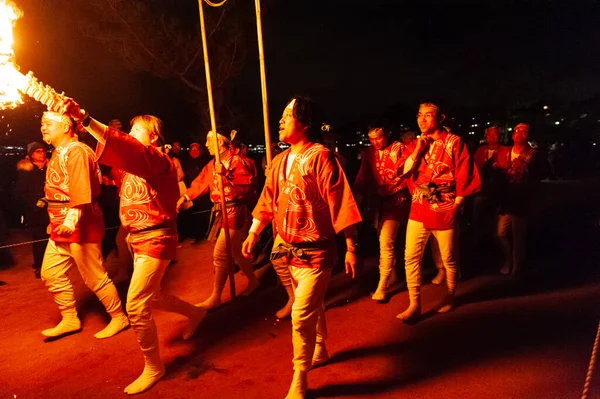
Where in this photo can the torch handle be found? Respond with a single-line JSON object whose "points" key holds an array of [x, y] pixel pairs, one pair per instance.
{"points": [[43, 93]]}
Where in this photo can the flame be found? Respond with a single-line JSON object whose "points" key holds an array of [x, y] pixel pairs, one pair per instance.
{"points": [[11, 80]]}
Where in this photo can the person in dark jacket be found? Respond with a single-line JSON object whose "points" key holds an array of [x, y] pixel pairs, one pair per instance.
{"points": [[30, 190]]}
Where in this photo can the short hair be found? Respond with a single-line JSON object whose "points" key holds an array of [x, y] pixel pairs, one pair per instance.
{"points": [[487, 129], [154, 126], [309, 114], [523, 122]]}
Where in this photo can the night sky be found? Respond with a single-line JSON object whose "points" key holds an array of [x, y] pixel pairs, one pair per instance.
{"points": [[357, 58]]}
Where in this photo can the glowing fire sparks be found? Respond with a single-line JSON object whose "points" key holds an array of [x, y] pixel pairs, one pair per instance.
{"points": [[11, 80]]}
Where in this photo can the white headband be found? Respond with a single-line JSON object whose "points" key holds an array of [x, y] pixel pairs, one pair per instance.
{"points": [[56, 117]]}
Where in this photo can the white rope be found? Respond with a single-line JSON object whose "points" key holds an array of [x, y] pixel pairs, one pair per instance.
{"points": [[588, 378], [46, 239]]}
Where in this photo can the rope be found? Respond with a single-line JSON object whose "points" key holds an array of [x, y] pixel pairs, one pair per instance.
{"points": [[210, 3], [590, 372], [46, 239]]}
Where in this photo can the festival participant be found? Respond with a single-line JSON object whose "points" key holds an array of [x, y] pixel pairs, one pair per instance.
{"points": [[76, 228], [309, 200], [523, 168], [441, 175], [149, 194], [378, 176], [30, 191], [239, 192]]}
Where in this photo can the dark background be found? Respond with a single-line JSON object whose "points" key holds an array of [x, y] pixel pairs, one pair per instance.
{"points": [[360, 59]]}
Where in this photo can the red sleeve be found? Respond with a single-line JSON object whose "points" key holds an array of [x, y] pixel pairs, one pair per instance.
{"points": [[263, 210], [242, 175], [403, 154], [81, 170], [334, 188], [243, 178], [200, 184], [465, 173], [128, 154]]}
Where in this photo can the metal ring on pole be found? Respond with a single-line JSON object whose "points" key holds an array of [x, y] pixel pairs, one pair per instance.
{"points": [[210, 3]]}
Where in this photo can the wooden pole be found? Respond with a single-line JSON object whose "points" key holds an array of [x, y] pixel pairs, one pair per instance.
{"points": [[213, 125], [263, 81]]}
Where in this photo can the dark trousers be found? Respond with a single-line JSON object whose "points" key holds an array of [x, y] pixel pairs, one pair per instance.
{"points": [[38, 232]]}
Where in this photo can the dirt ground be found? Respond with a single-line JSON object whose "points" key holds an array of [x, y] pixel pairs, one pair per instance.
{"points": [[530, 338]]}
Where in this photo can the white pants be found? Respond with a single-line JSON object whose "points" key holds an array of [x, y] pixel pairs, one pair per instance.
{"points": [[308, 313], [514, 250], [221, 258], [388, 230], [87, 257], [416, 239]]}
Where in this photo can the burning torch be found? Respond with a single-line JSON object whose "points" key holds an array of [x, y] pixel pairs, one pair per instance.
{"points": [[13, 82]]}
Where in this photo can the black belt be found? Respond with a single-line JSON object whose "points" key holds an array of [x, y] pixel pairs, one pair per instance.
{"points": [[433, 193], [55, 204], [302, 251]]}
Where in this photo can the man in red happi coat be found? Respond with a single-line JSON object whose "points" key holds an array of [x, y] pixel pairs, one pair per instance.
{"points": [[522, 167], [441, 174], [486, 201], [149, 192], [309, 201], [239, 196], [76, 228], [386, 190]]}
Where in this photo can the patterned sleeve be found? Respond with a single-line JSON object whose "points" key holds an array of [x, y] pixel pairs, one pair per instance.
{"points": [[465, 173], [128, 154], [335, 190], [80, 169], [200, 185], [263, 211], [402, 153]]}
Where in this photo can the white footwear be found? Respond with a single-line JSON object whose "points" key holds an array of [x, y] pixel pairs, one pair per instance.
{"points": [[146, 380], [379, 295], [67, 325], [385, 271], [116, 325], [321, 356], [286, 311], [414, 308], [212, 302], [154, 370], [298, 386], [447, 305], [439, 277]]}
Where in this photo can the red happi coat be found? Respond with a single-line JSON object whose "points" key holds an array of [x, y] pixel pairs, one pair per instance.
{"points": [[481, 157], [447, 164], [378, 175], [310, 205], [520, 178], [239, 189], [73, 180], [149, 192]]}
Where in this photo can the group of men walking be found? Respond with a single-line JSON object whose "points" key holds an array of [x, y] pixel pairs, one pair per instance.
{"points": [[306, 199]]}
